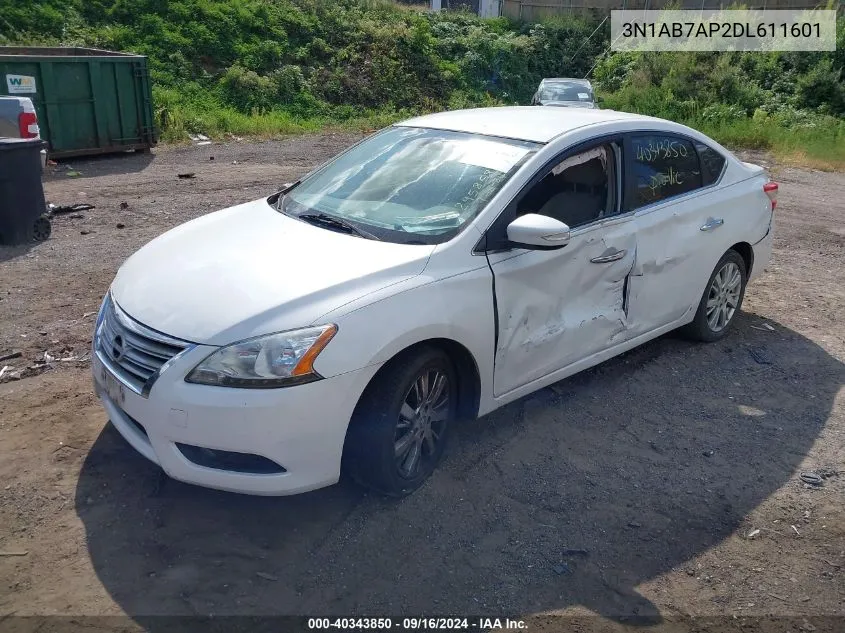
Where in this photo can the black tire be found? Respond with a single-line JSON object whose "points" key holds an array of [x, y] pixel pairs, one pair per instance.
{"points": [[41, 229], [700, 329], [372, 441]]}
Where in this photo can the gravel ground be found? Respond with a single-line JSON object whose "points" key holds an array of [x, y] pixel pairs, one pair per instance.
{"points": [[663, 483]]}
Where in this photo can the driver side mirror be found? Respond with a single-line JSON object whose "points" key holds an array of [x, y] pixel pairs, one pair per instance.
{"points": [[538, 232]]}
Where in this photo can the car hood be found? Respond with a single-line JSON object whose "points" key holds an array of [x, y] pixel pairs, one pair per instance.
{"points": [[250, 270]]}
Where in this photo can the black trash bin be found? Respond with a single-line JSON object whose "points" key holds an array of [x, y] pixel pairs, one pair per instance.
{"points": [[22, 207]]}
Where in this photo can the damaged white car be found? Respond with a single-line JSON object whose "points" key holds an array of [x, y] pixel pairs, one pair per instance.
{"points": [[435, 271]]}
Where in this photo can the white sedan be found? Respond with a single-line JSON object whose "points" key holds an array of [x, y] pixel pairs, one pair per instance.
{"points": [[439, 269]]}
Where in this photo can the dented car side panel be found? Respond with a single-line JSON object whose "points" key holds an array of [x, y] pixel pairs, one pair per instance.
{"points": [[557, 307], [559, 313], [677, 252]]}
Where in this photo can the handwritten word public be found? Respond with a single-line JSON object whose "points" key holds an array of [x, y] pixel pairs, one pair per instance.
{"points": [[670, 177]]}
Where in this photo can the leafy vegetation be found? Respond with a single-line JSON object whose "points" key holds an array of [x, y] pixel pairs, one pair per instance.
{"points": [[271, 66], [793, 103], [244, 65]]}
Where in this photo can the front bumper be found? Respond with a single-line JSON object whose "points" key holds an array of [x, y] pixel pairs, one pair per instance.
{"points": [[300, 428]]}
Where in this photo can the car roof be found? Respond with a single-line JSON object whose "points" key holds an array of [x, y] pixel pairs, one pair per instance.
{"points": [[569, 80], [526, 123]]}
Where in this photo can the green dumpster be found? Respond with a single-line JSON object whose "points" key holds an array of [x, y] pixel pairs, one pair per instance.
{"points": [[88, 101]]}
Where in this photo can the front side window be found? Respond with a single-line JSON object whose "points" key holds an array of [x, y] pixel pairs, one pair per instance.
{"points": [[578, 190], [410, 185], [663, 166]]}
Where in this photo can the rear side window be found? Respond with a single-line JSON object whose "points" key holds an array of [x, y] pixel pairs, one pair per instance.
{"points": [[712, 163], [663, 166]]}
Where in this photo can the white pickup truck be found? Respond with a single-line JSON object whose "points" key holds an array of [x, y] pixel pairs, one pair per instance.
{"points": [[18, 119]]}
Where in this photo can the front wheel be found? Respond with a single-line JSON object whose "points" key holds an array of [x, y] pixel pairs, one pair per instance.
{"points": [[398, 432], [721, 300]]}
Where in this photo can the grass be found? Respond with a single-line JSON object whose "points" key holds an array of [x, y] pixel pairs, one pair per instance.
{"points": [[819, 144], [801, 159], [792, 137], [221, 122], [177, 119]]}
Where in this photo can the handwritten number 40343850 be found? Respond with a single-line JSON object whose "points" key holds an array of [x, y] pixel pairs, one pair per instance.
{"points": [[660, 150]]}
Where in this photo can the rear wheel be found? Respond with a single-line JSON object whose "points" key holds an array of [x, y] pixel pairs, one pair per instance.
{"points": [[398, 432], [721, 300]]}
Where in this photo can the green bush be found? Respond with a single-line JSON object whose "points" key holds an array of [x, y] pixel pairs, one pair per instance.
{"points": [[245, 66], [246, 90], [821, 88]]}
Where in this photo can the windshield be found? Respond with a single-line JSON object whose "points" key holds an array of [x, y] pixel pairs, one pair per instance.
{"points": [[410, 185], [565, 92]]}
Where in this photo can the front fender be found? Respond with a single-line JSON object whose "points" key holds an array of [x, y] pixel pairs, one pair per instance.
{"points": [[458, 308]]}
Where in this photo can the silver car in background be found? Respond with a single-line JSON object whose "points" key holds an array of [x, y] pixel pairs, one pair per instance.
{"points": [[566, 92]]}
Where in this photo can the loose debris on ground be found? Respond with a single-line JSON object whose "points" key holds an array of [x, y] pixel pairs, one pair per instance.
{"points": [[666, 481]]}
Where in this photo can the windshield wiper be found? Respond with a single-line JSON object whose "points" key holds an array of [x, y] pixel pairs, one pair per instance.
{"points": [[332, 222]]}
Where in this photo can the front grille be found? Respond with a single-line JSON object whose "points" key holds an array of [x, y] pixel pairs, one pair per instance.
{"points": [[134, 352]]}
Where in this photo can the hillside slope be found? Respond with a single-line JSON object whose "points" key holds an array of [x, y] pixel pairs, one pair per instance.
{"points": [[269, 66]]}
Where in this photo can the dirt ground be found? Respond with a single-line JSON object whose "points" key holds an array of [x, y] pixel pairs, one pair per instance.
{"points": [[664, 483]]}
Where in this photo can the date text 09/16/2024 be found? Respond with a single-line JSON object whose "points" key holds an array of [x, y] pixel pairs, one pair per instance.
{"points": [[417, 624]]}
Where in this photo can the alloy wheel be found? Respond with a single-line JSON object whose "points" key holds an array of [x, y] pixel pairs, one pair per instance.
{"points": [[422, 420], [723, 297]]}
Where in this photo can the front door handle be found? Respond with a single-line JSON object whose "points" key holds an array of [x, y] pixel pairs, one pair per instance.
{"points": [[611, 257], [712, 223]]}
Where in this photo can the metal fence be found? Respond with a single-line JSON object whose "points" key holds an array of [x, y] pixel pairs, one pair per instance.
{"points": [[530, 10]]}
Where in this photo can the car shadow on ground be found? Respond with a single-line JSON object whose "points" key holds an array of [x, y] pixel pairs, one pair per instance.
{"points": [[82, 167], [572, 496]]}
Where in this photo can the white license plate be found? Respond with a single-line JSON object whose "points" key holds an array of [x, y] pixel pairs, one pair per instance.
{"points": [[112, 386]]}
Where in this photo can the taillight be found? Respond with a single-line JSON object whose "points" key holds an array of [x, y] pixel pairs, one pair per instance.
{"points": [[771, 190], [28, 125]]}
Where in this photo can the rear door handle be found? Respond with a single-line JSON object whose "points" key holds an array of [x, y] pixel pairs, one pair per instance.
{"points": [[712, 223], [612, 257]]}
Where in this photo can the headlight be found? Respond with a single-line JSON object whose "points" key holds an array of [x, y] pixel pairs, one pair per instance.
{"points": [[275, 360], [101, 313]]}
